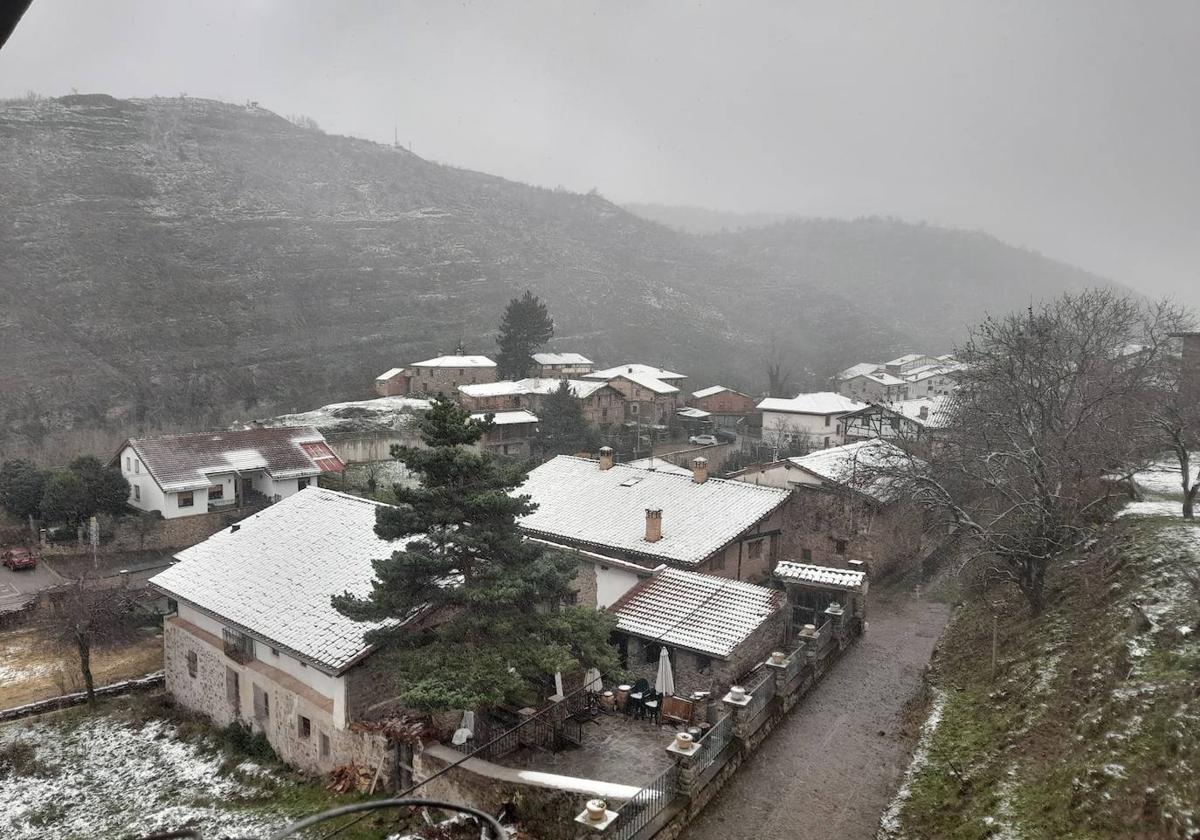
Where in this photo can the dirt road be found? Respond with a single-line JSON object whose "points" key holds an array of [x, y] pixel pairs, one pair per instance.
{"points": [[827, 771]]}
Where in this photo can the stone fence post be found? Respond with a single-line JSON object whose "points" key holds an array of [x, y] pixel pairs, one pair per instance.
{"points": [[685, 750], [737, 702]]}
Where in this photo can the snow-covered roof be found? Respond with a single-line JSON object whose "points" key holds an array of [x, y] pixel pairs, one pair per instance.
{"points": [[925, 372], [648, 382], [693, 413], [793, 572], [882, 377], [507, 418], [871, 467], [859, 370], [906, 359], [820, 402], [659, 465], [273, 573], [710, 391], [703, 613], [456, 361], [937, 410], [388, 374], [358, 415], [581, 504], [561, 359], [534, 385], [185, 462], [635, 368]]}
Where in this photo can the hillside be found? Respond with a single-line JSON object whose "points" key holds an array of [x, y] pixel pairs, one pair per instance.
{"points": [[181, 260], [702, 220], [1090, 725]]}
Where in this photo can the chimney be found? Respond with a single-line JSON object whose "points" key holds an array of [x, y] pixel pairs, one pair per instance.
{"points": [[606, 457], [924, 413], [653, 525], [699, 470]]}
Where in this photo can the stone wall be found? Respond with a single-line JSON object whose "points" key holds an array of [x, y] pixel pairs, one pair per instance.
{"points": [[434, 380], [883, 537], [159, 534]]}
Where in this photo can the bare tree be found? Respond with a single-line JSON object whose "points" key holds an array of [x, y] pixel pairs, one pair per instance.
{"points": [[779, 369], [1051, 403], [91, 613], [1176, 420]]}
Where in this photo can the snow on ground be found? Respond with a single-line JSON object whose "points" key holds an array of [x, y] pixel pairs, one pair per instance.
{"points": [[108, 779], [889, 823], [1152, 507], [1162, 477]]}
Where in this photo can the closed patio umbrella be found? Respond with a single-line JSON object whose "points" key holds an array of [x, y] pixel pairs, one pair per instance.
{"points": [[664, 683], [592, 681]]}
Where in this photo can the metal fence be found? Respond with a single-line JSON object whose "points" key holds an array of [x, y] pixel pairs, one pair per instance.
{"points": [[826, 637], [646, 804], [796, 660], [493, 741], [713, 741], [761, 693]]}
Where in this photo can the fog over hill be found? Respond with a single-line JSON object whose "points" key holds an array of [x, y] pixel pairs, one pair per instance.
{"points": [[169, 260]]}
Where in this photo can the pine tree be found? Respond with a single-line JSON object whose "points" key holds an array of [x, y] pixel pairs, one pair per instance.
{"points": [[525, 327], [562, 427], [493, 600], [21, 488]]}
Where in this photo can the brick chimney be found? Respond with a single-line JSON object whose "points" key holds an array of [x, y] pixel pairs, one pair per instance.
{"points": [[653, 525], [924, 413], [606, 457], [699, 470]]}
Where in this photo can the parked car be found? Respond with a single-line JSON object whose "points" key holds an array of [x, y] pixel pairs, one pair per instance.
{"points": [[703, 440], [726, 436], [19, 558]]}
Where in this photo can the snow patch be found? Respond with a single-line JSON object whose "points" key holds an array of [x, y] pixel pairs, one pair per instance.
{"points": [[889, 823]]}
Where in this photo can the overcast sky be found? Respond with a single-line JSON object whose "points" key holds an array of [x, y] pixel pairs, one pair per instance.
{"points": [[1069, 126]]}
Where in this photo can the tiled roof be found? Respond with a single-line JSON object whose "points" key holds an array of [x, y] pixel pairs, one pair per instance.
{"points": [[323, 456], [907, 358], [579, 503], [821, 402], [703, 613], [937, 410], [274, 575], [648, 382], [659, 465], [561, 359], [871, 467], [184, 462], [388, 374], [821, 575], [637, 369], [693, 413], [709, 391], [534, 385], [859, 370], [456, 361], [883, 378], [507, 418]]}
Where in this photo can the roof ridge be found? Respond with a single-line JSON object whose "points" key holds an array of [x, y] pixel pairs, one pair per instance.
{"points": [[165, 435]]}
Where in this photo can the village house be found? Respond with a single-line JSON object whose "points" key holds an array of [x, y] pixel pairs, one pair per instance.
{"points": [[392, 383], [881, 421], [849, 504], [934, 380], [714, 629], [185, 475], [602, 404], [727, 528], [512, 432], [877, 386], [647, 401], [252, 636], [443, 374], [560, 365], [909, 362], [725, 406], [905, 377], [670, 377], [813, 419], [812, 590]]}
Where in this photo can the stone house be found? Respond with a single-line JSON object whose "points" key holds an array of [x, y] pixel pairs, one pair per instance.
{"points": [[714, 629], [560, 365], [909, 362], [807, 418], [652, 395], [203, 472], [876, 386], [730, 529], [444, 374], [253, 638], [725, 406], [602, 404], [392, 383], [512, 432]]}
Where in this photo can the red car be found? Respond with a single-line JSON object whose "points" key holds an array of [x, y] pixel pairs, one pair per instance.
{"points": [[19, 558]]}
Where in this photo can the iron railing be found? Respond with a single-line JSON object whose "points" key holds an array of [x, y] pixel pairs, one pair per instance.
{"points": [[713, 742], [795, 662], [761, 693], [646, 804], [493, 743]]}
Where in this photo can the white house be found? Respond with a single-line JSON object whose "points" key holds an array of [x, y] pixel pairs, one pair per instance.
{"points": [[813, 417], [184, 475], [253, 636]]}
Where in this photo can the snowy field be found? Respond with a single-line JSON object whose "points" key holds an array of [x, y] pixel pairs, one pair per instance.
{"points": [[102, 777]]}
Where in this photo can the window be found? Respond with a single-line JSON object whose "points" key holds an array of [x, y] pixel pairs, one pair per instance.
{"points": [[193, 663], [756, 549], [233, 690], [137, 466], [324, 745], [128, 464], [262, 704], [301, 483], [827, 419], [649, 653], [216, 492], [806, 555], [137, 493], [633, 409], [185, 499], [303, 726], [839, 546]]}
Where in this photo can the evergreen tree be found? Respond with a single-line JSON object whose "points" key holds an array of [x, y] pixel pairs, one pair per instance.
{"points": [[494, 601], [21, 487], [562, 428], [65, 499], [525, 327], [107, 490]]}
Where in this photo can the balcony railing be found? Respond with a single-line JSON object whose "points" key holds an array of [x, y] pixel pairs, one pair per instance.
{"points": [[238, 646]]}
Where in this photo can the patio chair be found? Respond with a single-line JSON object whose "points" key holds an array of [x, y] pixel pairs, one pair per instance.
{"points": [[636, 694], [651, 705]]}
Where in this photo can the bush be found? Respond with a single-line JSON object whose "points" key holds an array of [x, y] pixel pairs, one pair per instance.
{"points": [[240, 739]]}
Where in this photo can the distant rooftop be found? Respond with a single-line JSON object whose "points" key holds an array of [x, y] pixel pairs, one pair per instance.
{"points": [[635, 368], [389, 374], [820, 402], [561, 359], [507, 418], [456, 361], [711, 391], [581, 388], [871, 467], [376, 414], [859, 370]]}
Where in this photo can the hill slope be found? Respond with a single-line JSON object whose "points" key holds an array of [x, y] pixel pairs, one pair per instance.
{"points": [[166, 259]]}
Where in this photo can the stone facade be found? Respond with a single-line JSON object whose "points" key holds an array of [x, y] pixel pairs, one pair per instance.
{"points": [[725, 402], [755, 552], [831, 528], [437, 379], [158, 534]]}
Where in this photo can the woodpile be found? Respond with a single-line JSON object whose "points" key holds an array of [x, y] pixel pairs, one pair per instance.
{"points": [[350, 778]]}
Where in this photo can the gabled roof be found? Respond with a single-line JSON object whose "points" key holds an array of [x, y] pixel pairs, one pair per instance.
{"points": [[712, 391], [561, 359], [635, 368], [693, 413], [456, 361], [859, 370], [925, 372], [507, 418], [937, 410], [648, 382], [581, 504], [273, 574], [872, 467], [184, 462], [388, 374], [882, 377], [827, 576], [907, 359], [820, 402], [702, 613], [581, 388]]}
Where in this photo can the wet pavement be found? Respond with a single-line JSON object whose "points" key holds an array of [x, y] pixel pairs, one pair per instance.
{"points": [[831, 768]]}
